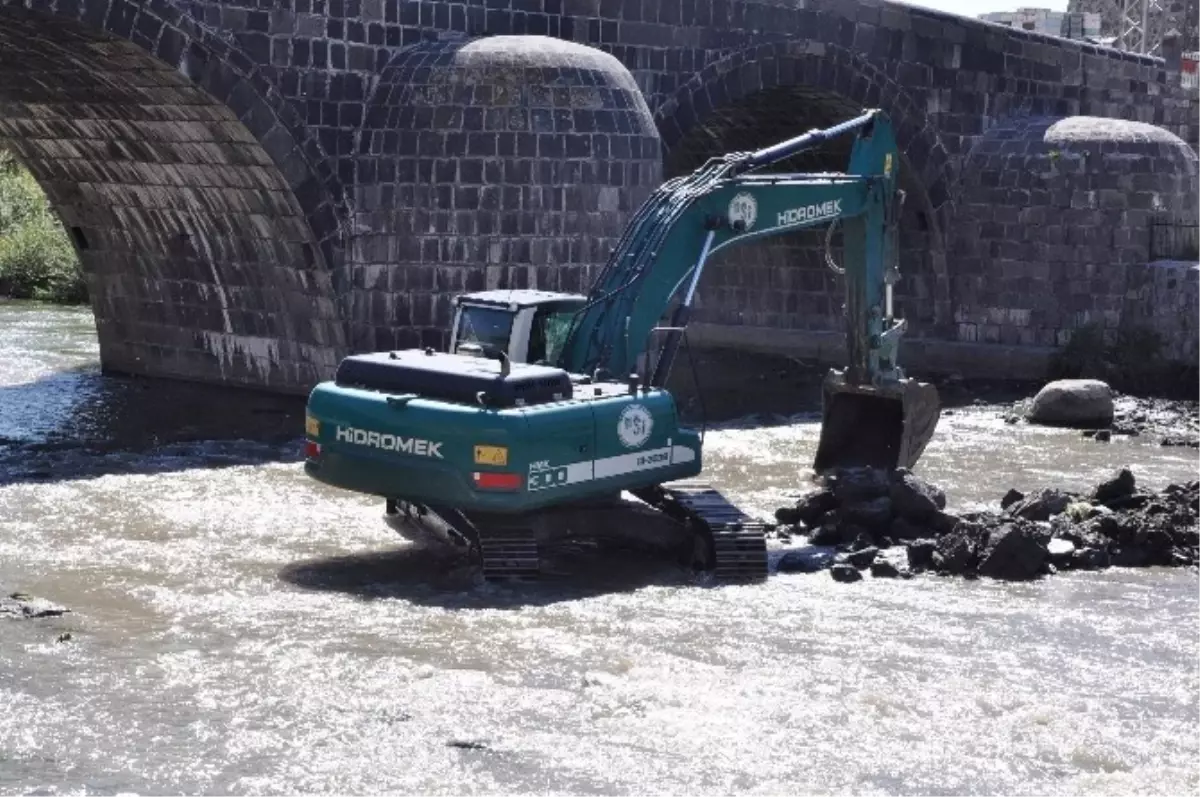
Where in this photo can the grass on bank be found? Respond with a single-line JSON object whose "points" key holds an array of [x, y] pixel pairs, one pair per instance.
{"points": [[37, 260]]}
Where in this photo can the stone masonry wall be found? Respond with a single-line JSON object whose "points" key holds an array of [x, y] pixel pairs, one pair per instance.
{"points": [[1053, 215]]}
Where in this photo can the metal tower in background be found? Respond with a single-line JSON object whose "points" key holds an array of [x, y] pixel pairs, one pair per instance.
{"points": [[1139, 25]]}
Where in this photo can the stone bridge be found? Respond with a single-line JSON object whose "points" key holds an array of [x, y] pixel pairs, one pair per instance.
{"points": [[256, 190]]}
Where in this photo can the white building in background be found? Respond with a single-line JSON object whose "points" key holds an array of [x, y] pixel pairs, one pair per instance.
{"points": [[1052, 23]]}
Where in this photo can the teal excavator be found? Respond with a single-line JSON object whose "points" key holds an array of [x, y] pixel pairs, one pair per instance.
{"points": [[548, 405]]}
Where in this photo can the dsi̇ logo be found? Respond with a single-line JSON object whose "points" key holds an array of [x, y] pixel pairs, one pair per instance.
{"points": [[634, 425], [743, 208]]}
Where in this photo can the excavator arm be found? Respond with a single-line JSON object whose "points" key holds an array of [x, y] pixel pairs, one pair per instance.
{"points": [[662, 255], [873, 415]]}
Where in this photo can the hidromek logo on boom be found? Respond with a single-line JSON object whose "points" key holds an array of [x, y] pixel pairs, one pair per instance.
{"points": [[809, 212], [390, 442]]}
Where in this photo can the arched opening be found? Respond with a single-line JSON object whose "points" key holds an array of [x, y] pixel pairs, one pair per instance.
{"points": [[784, 283], [199, 259]]}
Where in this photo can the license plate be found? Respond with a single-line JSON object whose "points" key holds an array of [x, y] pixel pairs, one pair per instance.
{"points": [[312, 427], [491, 455]]}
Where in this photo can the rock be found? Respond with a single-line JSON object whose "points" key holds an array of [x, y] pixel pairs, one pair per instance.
{"points": [[1119, 486], [1177, 441], [1090, 559], [861, 559], [1135, 501], [1010, 419], [1041, 505], [1079, 403], [1103, 436], [22, 605], [902, 529], [1126, 556], [912, 498], [943, 522], [850, 534], [873, 514], [884, 569], [1014, 552], [806, 560], [920, 554], [64, 637], [862, 541], [858, 485], [1010, 498], [787, 515], [845, 573], [956, 552], [812, 507], [1077, 511], [825, 535], [1060, 551]]}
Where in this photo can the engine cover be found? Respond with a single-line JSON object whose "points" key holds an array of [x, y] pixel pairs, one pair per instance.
{"points": [[454, 377]]}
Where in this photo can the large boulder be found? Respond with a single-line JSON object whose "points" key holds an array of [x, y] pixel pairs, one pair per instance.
{"points": [[874, 515], [857, 485], [1078, 403], [811, 508], [1118, 487], [958, 551], [1014, 552], [920, 554], [912, 498]]}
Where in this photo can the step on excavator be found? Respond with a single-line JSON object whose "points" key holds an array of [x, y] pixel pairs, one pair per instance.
{"points": [[548, 406]]}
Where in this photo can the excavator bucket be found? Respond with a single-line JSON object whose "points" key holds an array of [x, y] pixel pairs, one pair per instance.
{"points": [[879, 427]]}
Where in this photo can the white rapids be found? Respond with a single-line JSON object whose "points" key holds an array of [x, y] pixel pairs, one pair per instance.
{"points": [[237, 628]]}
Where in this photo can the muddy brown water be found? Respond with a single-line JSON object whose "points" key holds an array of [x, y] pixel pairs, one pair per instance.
{"points": [[237, 628]]}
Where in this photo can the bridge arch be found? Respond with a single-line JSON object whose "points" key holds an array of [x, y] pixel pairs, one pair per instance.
{"points": [[204, 216], [770, 92]]}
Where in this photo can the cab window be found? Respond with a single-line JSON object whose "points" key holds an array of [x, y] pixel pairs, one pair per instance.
{"points": [[548, 334], [489, 327]]}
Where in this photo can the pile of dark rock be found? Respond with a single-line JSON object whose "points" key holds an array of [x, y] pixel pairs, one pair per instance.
{"points": [[860, 515]]}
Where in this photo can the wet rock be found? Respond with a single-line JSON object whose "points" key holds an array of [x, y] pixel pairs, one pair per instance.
{"points": [[1090, 559], [920, 554], [825, 535], [902, 530], [1103, 436], [806, 560], [1011, 497], [787, 515], [862, 558], [64, 637], [958, 551], [859, 485], [466, 744], [811, 508], [844, 573], [1119, 486], [1041, 505], [943, 522], [1080, 403], [872, 515], [862, 541], [1135, 501], [1014, 552], [22, 605], [1126, 556], [912, 498], [1179, 442], [884, 569]]}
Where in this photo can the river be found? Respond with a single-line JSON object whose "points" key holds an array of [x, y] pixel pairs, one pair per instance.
{"points": [[178, 525]]}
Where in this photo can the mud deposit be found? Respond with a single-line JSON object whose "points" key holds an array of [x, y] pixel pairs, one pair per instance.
{"points": [[236, 628]]}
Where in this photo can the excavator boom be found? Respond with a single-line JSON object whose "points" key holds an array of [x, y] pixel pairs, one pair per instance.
{"points": [[872, 414]]}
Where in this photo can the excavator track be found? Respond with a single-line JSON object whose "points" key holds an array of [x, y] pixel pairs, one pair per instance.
{"points": [[736, 543], [507, 548]]}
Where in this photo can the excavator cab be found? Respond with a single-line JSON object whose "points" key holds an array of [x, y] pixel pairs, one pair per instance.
{"points": [[525, 326]]}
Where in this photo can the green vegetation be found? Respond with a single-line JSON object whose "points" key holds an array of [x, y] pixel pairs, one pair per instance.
{"points": [[37, 260]]}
